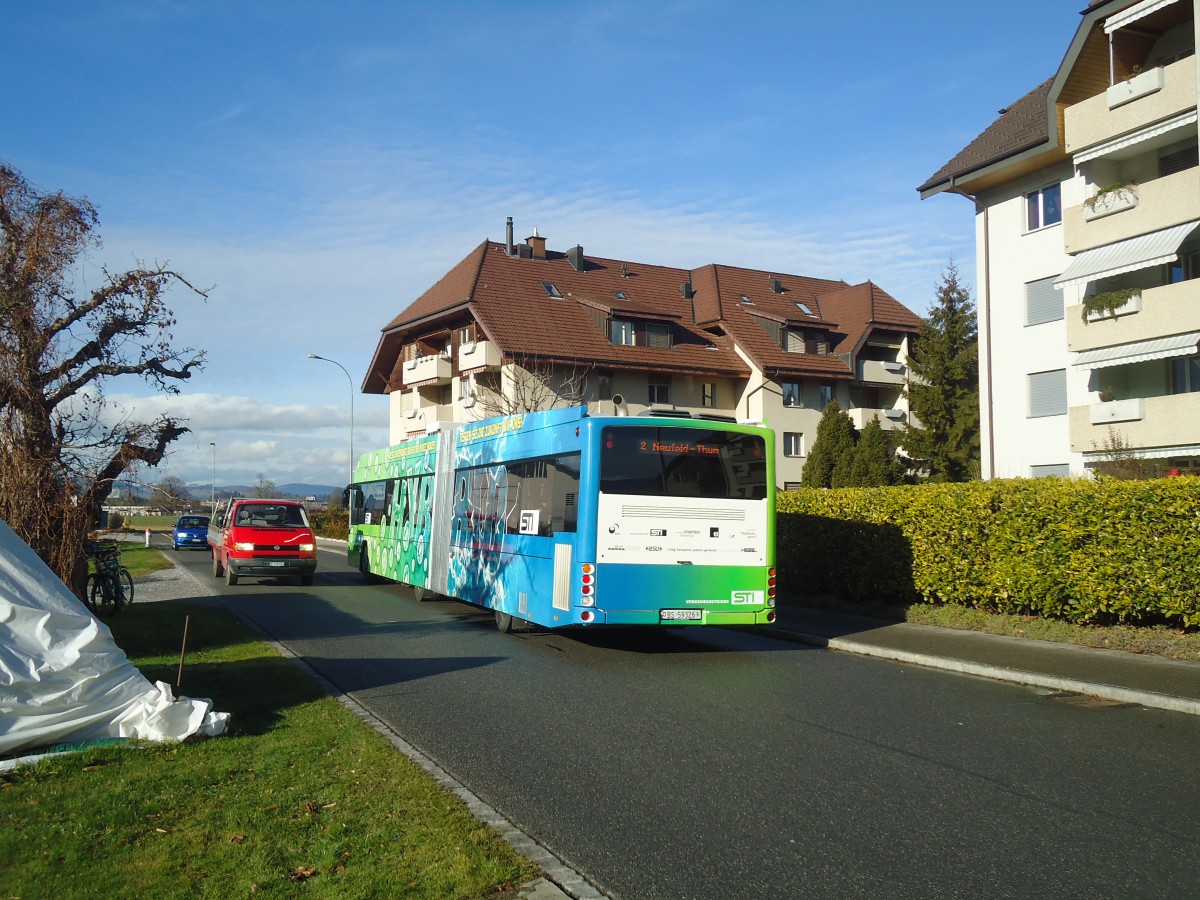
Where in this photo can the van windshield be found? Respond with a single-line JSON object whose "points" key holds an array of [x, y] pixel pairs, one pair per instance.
{"points": [[271, 515]]}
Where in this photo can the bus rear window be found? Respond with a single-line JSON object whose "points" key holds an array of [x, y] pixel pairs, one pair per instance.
{"points": [[682, 462]]}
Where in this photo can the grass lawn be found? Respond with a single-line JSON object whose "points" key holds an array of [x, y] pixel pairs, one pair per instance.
{"points": [[298, 796]]}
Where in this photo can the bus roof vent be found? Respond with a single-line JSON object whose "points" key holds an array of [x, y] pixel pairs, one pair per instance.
{"points": [[669, 413], [716, 417]]}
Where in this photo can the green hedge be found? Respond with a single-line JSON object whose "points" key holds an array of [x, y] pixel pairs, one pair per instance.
{"points": [[1093, 552]]}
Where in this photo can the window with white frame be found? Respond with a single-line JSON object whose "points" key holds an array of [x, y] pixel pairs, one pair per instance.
{"points": [[791, 393], [1043, 207], [793, 443], [660, 391], [708, 394], [1048, 393]]}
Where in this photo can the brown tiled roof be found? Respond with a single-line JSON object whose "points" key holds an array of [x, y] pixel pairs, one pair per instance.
{"points": [[507, 298], [845, 312], [1022, 126], [505, 295]]}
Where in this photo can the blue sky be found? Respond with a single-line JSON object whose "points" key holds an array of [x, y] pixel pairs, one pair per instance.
{"points": [[321, 164]]}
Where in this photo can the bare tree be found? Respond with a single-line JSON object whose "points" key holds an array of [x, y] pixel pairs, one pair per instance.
{"points": [[264, 487], [171, 494], [62, 446], [529, 385]]}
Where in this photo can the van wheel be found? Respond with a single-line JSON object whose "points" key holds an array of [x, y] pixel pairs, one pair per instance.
{"points": [[230, 577], [504, 622], [217, 570]]}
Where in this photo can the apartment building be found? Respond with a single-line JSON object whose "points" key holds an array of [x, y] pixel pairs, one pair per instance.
{"points": [[1087, 199], [518, 327]]}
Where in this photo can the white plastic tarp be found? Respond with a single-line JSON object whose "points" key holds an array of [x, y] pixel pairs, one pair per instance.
{"points": [[63, 680]]}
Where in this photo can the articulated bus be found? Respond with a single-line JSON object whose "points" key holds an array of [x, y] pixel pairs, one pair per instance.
{"points": [[562, 518]]}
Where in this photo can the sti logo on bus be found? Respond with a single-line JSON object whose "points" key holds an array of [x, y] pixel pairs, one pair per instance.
{"points": [[747, 597]]}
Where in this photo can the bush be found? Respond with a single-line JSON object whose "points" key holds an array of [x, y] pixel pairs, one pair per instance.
{"points": [[334, 523], [1089, 552], [116, 521]]}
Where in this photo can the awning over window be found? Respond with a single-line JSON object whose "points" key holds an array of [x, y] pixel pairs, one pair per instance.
{"points": [[1126, 256], [1142, 351], [1107, 149]]}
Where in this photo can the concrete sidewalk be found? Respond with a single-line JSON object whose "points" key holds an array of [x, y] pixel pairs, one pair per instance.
{"points": [[1110, 674]]}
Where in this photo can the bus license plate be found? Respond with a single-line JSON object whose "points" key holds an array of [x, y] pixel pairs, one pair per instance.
{"points": [[681, 615]]}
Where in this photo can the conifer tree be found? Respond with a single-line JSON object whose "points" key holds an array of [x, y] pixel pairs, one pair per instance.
{"points": [[873, 465], [943, 390], [833, 447]]}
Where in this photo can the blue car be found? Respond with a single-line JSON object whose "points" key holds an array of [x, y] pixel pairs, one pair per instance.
{"points": [[190, 531]]}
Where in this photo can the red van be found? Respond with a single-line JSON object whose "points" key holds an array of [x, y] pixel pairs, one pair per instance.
{"points": [[264, 539]]}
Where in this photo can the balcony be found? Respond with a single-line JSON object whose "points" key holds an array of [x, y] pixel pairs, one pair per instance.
{"points": [[881, 371], [1161, 203], [478, 356], [1165, 310], [424, 370], [1106, 412], [1169, 421], [1092, 122], [889, 419]]}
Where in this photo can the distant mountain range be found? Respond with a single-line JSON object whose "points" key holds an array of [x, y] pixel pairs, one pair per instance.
{"points": [[292, 489]]}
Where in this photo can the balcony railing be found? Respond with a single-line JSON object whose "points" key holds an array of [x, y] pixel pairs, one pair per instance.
{"points": [[477, 356], [1093, 121], [881, 371], [427, 370], [1164, 310], [889, 419], [1170, 421], [1162, 202]]}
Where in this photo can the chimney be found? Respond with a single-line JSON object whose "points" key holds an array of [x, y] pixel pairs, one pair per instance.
{"points": [[508, 237], [538, 245], [575, 255], [776, 285]]}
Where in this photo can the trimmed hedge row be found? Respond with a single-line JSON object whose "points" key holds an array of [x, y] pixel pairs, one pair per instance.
{"points": [[1092, 552]]}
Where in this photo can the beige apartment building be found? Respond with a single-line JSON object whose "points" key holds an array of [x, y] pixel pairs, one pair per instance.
{"points": [[1087, 197], [519, 327]]}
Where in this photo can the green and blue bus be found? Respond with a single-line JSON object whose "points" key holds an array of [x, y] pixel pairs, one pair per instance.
{"points": [[562, 518]]}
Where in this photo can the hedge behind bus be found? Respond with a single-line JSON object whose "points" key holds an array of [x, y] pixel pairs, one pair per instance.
{"points": [[1089, 552]]}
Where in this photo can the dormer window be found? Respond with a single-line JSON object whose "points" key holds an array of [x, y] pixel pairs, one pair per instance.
{"points": [[630, 333], [620, 331], [551, 290]]}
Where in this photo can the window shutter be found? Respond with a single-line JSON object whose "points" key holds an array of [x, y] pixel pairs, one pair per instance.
{"points": [[1178, 160], [1057, 470], [1048, 394], [1043, 302]]}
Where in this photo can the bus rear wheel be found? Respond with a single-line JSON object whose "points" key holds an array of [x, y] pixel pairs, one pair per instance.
{"points": [[504, 622]]}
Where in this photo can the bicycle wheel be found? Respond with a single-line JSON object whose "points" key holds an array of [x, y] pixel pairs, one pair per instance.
{"points": [[102, 595], [88, 589], [127, 585]]}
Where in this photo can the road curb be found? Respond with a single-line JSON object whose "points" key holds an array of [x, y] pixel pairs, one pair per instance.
{"points": [[996, 673]]}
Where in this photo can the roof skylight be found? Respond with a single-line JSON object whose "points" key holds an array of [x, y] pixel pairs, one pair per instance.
{"points": [[746, 299], [803, 307], [551, 290], [620, 295]]}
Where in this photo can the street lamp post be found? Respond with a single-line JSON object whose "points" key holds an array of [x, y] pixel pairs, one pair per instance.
{"points": [[351, 381], [212, 503]]}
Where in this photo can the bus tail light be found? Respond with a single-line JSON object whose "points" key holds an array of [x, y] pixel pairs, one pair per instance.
{"points": [[587, 585], [586, 616], [771, 586]]}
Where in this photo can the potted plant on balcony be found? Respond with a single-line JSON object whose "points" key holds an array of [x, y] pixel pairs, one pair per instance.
{"points": [[1107, 304], [1110, 199]]}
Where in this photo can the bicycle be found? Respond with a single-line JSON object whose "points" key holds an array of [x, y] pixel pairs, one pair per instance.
{"points": [[110, 586]]}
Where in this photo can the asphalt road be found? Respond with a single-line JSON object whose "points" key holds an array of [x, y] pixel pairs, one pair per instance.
{"points": [[720, 763]]}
